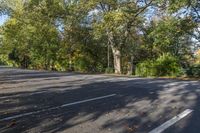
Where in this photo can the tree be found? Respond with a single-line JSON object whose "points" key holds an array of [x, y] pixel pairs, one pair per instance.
{"points": [[117, 19], [75, 34]]}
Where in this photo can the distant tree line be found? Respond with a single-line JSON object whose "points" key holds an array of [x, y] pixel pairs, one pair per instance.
{"points": [[143, 37]]}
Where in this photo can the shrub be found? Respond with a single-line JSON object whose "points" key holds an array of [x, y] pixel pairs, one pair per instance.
{"points": [[87, 64], [5, 61], [109, 70], [193, 71], [165, 65], [82, 64], [146, 68]]}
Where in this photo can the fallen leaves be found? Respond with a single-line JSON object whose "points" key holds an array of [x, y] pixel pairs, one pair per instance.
{"points": [[12, 123], [131, 128]]}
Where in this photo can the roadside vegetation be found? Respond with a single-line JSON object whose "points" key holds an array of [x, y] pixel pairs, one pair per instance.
{"points": [[135, 37]]}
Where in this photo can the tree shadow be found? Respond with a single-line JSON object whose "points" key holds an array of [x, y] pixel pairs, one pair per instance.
{"points": [[190, 124], [140, 105]]}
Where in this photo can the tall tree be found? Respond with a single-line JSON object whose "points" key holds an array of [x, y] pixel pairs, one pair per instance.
{"points": [[117, 19]]}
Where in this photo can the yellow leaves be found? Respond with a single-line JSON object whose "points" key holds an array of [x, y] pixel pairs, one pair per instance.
{"points": [[11, 21], [198, 52], [52, 29], [115, 16], [114, 20], [197, 56], [119, 17], [10, 25], [15, 5]]}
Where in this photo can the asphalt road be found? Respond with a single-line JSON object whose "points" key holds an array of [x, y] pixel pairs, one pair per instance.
{"points": [[40, 101]]}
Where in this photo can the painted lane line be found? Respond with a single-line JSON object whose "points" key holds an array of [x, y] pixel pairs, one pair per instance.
{"points": [[57, 107], [171, 122]]}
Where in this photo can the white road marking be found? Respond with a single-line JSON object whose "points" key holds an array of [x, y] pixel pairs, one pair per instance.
{"points": [[57, 107], [172, 121]]}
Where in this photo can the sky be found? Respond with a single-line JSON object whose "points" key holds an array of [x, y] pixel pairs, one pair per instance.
{"points": [[3, 18]]}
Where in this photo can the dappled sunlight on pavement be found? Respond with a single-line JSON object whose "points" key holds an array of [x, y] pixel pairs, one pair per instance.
{"points": [[140, 104]]}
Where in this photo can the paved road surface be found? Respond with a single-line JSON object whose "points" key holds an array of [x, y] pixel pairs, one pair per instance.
{"points": [[39, 101]]}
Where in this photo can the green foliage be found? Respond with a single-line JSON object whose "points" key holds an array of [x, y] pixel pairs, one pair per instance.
{"points": [[5, 61], [75, 35], [146, 68], [165, 65], [83, 64], [168, 65], [193, 71], [177, 5], [168, 35], [87, 64], [109, 70]]}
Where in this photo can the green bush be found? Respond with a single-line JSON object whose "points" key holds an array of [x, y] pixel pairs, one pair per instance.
{"points": [[165, 65], [87, 64], [193, 71], [146, 68], [109, 70], [82, 64], [5, 61]]}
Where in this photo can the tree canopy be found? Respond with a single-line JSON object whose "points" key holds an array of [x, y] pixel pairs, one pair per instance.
{"points": [[98, 35]]}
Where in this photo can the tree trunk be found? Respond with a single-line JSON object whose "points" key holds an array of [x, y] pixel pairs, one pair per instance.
{"points": [[116, 54], [130, 66], [117, 60], [108, 56]]}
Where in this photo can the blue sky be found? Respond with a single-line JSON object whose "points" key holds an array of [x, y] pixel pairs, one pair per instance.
{"points": [[3, 18]]}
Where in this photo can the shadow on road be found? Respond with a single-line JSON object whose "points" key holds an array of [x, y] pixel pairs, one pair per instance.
{"points": [[139, 106]]}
